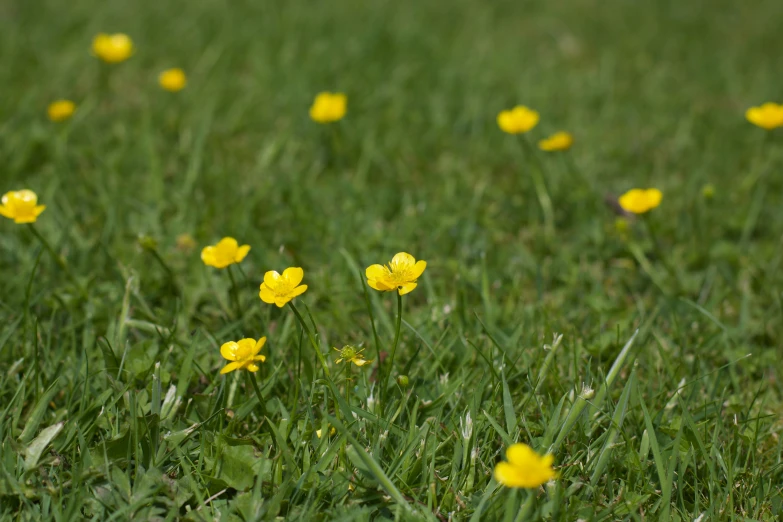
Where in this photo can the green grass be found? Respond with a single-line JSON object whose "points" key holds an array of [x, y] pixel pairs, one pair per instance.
{"points": [[112, 405]]}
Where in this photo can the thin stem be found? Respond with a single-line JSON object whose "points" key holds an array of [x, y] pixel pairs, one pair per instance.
{"points": [[541, 191], [254, 382], [234, 294], [313, 342], [58, 259], [390, 366]]}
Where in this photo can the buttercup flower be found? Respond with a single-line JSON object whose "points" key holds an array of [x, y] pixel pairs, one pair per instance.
{"points": [[61, 110], [332, 431], [639, 201], [226, 252], [328, 107], [768, 116], [517, 120], [525, 468], [21, 206], [279, 289], [112, 48], [401, 274], [557, 141], [352, 355], [243, 354], [173, 80]]}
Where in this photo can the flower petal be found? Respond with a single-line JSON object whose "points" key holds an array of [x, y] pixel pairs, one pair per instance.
{"points": [[358, 361], [403, 260], [252, 367], [418, 269], [376, 272], [246, 348], [407, 288], [230, 367], [266, 294], [261, 358], [507, 475], [241, 253], [281, 301], [229, 351], [259, 345], [520, 454], [271, 278], [293, 275], [227, 244], [37, 210], [299, 290], [208, 255]]}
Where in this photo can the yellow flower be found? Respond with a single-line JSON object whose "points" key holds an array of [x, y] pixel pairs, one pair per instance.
{"points": [[61, 110], [708, 191], [279, 289], [112, 48], [173, 80], [525, 468], [401, 274], [243, 354], [351, 355], [328, 107], [226, 252], [21, 206], [768, 116], [557, 141], [517, 120], [332, 431], [639, 201]]}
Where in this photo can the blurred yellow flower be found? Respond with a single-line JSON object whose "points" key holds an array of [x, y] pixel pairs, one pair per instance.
{"points": [[21, 206], [279, 289], [186, 242], [61, 110], [767, 116], [517, 120], [243, 354], [332, 431], [525, 468], [225, 253], [112, 48], [557, 141], [328, 107], [173, 80], [401, 274], [639, 201], [351, 355]]}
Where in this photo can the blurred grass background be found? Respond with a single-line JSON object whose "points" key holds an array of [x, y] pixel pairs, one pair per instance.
{"points": [[654, 93]]}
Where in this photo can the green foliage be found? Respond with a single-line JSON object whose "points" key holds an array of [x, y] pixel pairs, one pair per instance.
{"points": [[644, 355]]}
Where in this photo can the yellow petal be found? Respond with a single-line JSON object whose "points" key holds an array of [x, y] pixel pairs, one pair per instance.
{"points": [[241, 253], [506, 475], [259, 345], [230, 367], [37, 210], [376, 272], [418, 269], [520, 454], [299, 290], [403, 260], [372, 283], [358, 361], [266, 294], [208, 256], [229, 351], [294, 275], [407, 288], [246, 348], [271, 278], [281, 301], [261, 358], [227, 244]]}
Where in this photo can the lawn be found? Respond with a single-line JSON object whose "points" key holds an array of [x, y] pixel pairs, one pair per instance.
{"points": [[641, 351]]}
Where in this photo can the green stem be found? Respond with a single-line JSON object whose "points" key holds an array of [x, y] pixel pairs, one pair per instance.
{"points": [[313, 342], [541, 191], [234, 294], [390, 366], [658, 250], [58, 259], [254, 382]]}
